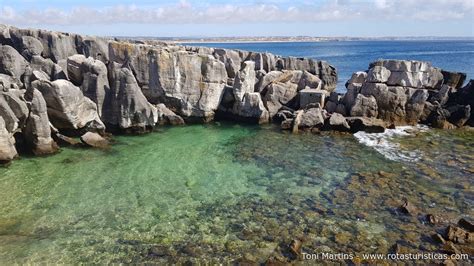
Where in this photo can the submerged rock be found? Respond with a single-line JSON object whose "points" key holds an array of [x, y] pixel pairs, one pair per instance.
{"points": [[94, 140]]}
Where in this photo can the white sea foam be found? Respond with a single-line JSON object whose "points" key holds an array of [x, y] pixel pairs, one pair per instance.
{"points": [[385, 144]]}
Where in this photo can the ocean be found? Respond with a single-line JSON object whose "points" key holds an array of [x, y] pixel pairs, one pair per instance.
{"points": [[351, 56], [224, 192]]}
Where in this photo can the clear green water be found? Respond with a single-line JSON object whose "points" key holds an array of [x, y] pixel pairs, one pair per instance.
{"points": [[220, 192]]}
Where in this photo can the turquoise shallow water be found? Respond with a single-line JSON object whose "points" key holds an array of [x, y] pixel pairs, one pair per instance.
{"points": [[220, 192]]}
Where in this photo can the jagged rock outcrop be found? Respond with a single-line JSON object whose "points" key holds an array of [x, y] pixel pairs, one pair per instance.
{"points": [[11, 62], [67, 107], [398, 92], [37, 131], [91, 76], [168, 117], [13, 110], [246, 104], [127, 107], [7, 144]]}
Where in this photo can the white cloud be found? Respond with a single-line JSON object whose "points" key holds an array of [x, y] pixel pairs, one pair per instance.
{"points": [[274, 11]]}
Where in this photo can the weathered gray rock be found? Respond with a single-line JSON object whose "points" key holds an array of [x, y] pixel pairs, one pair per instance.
{"points": [[7, 144], [9, 83], [94, 140], [37, 130], [91, 76], [364, 106], [278, 95], [11, 62], [370, 125], [231, 60], [338, 122], [168, 117], [244, 81], [358, 78], [454, 80], [311, 118], [13, 109], [95, 47], [252, 109], [68, 109], [308, 96], [459, 114], [10, 121], [465, 96], [248, 105], [415, 74], [127, 107], [415, 105], [53, 70], [331, 107], [378, 74], [31, 46]]}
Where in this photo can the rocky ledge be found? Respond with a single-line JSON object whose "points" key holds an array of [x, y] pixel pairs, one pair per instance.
{"points": [[56, 87]]}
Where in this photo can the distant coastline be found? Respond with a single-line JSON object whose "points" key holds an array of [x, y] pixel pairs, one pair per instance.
{"points": [[281, 39]]}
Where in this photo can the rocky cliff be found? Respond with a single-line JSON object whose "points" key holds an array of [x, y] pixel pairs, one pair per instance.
{"points": [[58, 86]]}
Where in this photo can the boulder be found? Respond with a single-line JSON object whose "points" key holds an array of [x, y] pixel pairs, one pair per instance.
{"points": [[37, 131], [308, 96], [370, 125], [378, 74], [10, 121], [364, 106], [251, 109], [338, 122], [68, 109], [11, 62], [358, 78], [415, 105], [453, 80], [31, 46], [7, 144], [415, 74], [94, 140], [127, 107], [9, 83], [459, 114], [465, 96], [278, 95], [53, 70], [311, 118], [168, 117], [13, 109]]}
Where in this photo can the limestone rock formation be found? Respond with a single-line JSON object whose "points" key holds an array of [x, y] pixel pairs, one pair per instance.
{"points": [[37, 130], [68, 109], [248, 104], [91, 76], [11, 62], [7, 144], [127, 107], [168, 117]]}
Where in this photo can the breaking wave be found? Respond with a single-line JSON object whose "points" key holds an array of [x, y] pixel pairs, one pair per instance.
{"points": [[386, 144]]}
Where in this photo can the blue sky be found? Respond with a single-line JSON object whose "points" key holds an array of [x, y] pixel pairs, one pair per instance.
{"points": [[245, 17]]}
